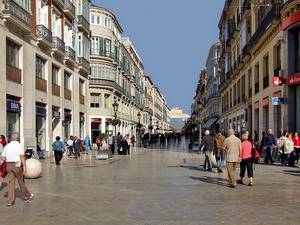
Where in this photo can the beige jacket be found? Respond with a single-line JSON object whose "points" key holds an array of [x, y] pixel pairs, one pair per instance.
{"points": [[288, 146], [232, 146]]}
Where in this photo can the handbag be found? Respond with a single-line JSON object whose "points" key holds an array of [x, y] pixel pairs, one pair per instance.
{"points": [[3, 169]]}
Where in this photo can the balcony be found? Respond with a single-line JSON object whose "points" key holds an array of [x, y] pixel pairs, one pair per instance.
{"points": [[68, 94], [81, 99], [56, 90], [246, 7], [15, 14], [13, 74], [256, 90], [107, 83], [98, 52], [272, 15], [83, 65], [59, 3], [266, 81], [246, 53], [44, 35], [277, 72], [120, 89], [41, 84], [58, 46], [69, 9], [69, 54], [83, 25]]}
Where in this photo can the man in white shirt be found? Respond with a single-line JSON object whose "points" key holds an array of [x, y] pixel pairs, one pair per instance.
{"points": [[70, 146], [16, 167]]}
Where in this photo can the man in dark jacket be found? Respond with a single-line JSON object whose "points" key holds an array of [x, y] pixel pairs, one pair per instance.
{"points": [[269, 144], [77, 146], [207, 144]]}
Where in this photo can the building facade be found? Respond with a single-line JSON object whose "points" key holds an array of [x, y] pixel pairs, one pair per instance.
{"points": [[250, 34], [45, 70]]}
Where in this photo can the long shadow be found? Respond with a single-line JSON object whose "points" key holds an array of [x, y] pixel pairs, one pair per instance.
{"points": [[292, 172], [3, 186], [212, 180], [194, 168]]}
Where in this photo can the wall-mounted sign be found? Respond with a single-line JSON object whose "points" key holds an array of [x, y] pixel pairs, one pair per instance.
{"points": [[13, 106], [295, 79], [278, 81], [277, 101], [96, 120], [56, 114], [41, 111]]}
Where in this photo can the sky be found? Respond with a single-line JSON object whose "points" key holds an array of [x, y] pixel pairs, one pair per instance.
{"points": [[173, 38]]}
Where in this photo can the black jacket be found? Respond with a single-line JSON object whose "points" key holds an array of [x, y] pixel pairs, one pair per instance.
{"points": [[208, 142], [269, 140]]}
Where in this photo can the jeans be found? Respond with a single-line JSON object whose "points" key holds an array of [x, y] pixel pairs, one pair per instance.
{"points": [[87, 149], [207, 162], [285, 158], [269, 150], [220, 162]]}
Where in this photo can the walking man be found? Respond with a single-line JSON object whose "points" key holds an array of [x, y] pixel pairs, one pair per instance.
{"points": [[87, 144], [233, 152], [16, 167], [58, 148], [218, 150], [111, 143], [70, 145], [269, 144], [208, 144], [77, 146]]}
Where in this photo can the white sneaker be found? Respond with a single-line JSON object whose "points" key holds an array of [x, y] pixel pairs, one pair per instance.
{"points": [[30, 198]]}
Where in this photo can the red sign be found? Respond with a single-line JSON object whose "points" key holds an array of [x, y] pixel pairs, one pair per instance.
{"points": [[256, 105], [295, 79], [265, 101], [291, 20], [277, 94], [96, 120], [108, 120], [278, 81]]}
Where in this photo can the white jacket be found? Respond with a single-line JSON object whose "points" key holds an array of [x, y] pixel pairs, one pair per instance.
{"points": [[288, 146]]}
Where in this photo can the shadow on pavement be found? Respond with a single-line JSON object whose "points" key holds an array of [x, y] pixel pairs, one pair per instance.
{"points": [[212, 180], [194, 168], [292, 172]]}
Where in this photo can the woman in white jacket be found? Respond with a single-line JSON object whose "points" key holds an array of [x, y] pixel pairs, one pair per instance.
{"points": [[288, 149]]}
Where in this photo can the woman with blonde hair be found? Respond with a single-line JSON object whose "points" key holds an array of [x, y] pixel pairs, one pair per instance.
{"points": [[247, 161]]}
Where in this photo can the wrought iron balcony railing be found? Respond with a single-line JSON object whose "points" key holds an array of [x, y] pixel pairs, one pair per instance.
{"points": [[69, 52], [57, 43], [44, 33]]}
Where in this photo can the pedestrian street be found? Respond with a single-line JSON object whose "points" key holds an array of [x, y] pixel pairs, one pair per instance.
{"points": [[153, 186]]}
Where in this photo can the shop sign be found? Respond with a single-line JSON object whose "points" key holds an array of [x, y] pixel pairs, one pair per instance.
{"points": [[108, 120], [278, 81], [82, 119], [277, 101], [295, 79], [96, 120], [41, 111], [13, 106], [56, 114], [265, 101]]}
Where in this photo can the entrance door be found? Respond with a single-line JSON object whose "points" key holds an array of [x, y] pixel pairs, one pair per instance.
{"points": [[41, 131]]}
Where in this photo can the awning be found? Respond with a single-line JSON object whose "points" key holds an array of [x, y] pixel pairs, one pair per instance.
{"points": [[209, 123]]}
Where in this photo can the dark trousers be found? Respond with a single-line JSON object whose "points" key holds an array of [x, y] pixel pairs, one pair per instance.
{"points": [[269, 150], [249, 164], [58, 156], [77, 153], [297, 154], [128, 150]]}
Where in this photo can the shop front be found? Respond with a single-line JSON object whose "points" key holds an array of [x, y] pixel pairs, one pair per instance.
{"points": [[67, 123], [41, 114], [96, 128], [294, 108], [12, 118]]}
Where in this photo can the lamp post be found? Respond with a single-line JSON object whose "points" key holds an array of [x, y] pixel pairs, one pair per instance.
{"points": [[139, 115], [199, 103], [150, 124], [115, 108]]}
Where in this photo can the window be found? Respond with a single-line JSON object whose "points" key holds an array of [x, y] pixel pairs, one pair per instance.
{"points": [[277, 58], [95, 100], [83, 46], [297, 52], [266, 72], [256, 78], [98, 20], [55, 71], [24, 4], [12, 54], [67, 81], [107, 104], [40, 67], [92, 19], [81, 87]]}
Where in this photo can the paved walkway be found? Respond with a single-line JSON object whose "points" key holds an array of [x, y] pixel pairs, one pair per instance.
{"points": [[153, 186]]}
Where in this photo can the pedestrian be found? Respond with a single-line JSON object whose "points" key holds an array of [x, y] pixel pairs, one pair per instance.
{"points": [[296, 141], [87, 144], [124, 146], [207, 144], [3, 141], [66, 140], [269, 144], [98, 143], [218, 150], [247, 161], [255, 139], [233, 152], [162, 140], [129, 143], [261, 145], [119, 141], [111, 143], [58, 148], [39, 151], [70, 145], [76, 146], [281, 147], [288, 151], [16, 167], [132, 140]]}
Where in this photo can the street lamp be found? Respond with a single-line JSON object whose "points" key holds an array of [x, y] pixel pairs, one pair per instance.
{"points": [[115, 108], [139, 115], [150, 124], [199, 103]]}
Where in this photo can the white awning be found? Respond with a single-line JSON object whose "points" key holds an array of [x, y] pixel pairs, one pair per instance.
{"points": [[209, 123]]}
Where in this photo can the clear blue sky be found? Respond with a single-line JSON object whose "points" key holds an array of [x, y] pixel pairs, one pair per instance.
{"points": [[173, 38]]}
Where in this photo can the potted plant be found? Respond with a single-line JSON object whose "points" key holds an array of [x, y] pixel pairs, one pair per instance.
{"points": [[116, 122], [150, 127]]}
